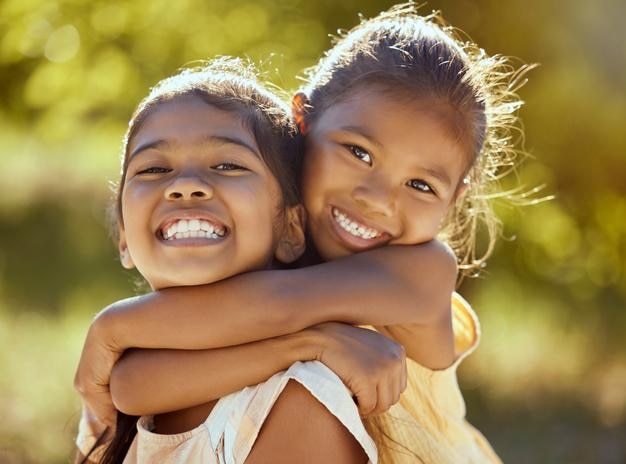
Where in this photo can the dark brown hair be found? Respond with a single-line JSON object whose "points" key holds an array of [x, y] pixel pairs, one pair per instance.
{"points": [[231, 85], [421, 58]]}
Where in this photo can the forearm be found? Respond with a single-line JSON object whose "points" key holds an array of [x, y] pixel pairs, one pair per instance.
{"points": [[158, 381], [391, 285], [245, 308]]}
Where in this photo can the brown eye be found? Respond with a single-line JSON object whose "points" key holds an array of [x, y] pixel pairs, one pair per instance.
{"points": [[360, 153], [230, 167], [420, 185], [154, 170]]}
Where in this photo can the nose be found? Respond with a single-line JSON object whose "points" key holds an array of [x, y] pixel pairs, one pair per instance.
{"points": [[188, 188], [375, 196]]}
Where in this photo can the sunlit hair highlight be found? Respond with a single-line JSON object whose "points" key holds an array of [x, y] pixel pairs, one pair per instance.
{"points": [[422, 58]]}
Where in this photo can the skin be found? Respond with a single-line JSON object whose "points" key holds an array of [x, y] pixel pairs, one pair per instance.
{"points": [[189, 160], [368, 139], [392, 167]]}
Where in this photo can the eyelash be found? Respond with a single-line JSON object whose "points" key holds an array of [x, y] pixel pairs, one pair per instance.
{"points": [[154, 170], [230, 167], [355, 149], [418, 185], [219, 167]]}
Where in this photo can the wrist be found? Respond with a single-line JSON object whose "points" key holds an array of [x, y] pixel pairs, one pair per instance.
{"points": [[305, 345]]}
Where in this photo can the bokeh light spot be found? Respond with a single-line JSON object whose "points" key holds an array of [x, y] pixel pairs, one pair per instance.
{"points": [[63, 44]]}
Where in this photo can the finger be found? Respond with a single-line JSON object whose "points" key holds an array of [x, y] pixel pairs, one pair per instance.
{"points": [[104, 416], [400, 384], [101, 406], [397, 386], [366, 401], [385, 395], [404, 375]]}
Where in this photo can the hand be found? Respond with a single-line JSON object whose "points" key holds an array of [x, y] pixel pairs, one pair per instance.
{"points": [[371, 365], [94, 371]]}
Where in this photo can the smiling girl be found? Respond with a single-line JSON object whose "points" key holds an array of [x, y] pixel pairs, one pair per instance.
{"points": [[405, 126], [207, 192]]}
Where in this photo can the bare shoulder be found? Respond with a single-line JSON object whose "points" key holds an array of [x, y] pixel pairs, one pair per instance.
{"points": [[300, 429]]}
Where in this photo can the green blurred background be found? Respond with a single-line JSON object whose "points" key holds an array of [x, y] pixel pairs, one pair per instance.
{"points": [[548, 383]]}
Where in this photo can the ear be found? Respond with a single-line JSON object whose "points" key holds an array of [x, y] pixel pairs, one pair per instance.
{"points": [[125, 258], [299, 103], [292, 242]]}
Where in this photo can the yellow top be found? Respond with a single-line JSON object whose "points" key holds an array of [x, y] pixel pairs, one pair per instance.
{"points": [[428, 424]]}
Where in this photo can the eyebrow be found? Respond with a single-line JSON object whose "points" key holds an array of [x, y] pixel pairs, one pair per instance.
{"points": [[216, 140], [439, 174], [363, 133]]}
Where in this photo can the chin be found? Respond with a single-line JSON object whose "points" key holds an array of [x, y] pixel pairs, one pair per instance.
{"points": [[193, 280], [332, 253]]}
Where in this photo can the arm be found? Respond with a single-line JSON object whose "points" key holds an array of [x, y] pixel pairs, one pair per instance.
{"points": [[411, 283], [160, 380], [391, 286], [154, 381]]}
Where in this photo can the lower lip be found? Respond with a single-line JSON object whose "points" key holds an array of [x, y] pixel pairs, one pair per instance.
{"points": [[192, 241], [352, 242]]}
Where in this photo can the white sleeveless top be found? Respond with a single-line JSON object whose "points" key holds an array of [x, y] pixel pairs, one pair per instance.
{"points": [[230, 430]]}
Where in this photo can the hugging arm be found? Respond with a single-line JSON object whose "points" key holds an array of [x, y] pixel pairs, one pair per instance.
{"points": [[156, 381], [391, 285], [397, 288], [161, 380]]}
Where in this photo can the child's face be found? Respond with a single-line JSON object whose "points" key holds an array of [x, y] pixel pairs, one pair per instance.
{"points": [[198, 204], [379, 171]]}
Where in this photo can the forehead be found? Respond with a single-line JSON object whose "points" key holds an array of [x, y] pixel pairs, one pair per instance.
{"points": [[187, 120]]}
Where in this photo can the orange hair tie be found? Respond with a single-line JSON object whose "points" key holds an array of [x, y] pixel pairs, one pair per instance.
{"points": [[298, 109]]}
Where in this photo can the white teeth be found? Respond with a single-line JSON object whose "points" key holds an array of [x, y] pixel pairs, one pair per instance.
{"points": [[354, 228], [205, 226], [192, 228], [183, 226]]}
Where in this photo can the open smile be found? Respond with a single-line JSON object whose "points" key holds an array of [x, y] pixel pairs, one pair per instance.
{"points": [[354, 233], [192, 230]]}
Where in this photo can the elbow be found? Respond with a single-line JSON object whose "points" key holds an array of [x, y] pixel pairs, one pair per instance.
{"points": [[443, 266], [124, 385], [449, 265], [430, 293]]}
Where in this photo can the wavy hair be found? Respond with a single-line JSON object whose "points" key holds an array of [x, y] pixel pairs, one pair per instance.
{"points": [[422, 57]]}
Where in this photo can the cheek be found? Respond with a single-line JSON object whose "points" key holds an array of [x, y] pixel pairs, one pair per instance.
{"points": [[258, 209], [131, 211], [322, 174], [422, 221], [310, 183]]}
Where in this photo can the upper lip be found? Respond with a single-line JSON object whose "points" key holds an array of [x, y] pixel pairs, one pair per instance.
{"points": [[358, 218], [202, 215]]}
